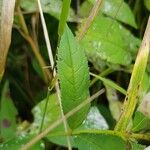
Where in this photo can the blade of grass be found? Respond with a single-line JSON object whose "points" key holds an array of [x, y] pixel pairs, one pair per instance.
{"points": [[7, 15], [132, 95], [59, 121], [110, 83], [104, 73], [63, 16], [54, 71]]}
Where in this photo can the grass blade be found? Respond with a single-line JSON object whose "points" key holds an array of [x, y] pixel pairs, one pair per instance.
{"points": [[110, 83], [135, 82], [7, 15], [63, 17]]}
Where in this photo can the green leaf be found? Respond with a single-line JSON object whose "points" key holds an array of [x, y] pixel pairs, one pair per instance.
{"points": [[116, 9], [63, 16], [140, 122], [99, 142], [52, 7], [110, 42], [8, 114], [119, 10], [74, 77], [147, 4], [52, 114], [17, 142]]}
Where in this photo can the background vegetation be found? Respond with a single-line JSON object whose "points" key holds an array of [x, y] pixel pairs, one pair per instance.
{"points": [[96, 51]]}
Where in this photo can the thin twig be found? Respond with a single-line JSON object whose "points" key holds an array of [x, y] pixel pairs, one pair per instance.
{"points": [[89, 20], [59, 121], [28, 38], [54, 71]]}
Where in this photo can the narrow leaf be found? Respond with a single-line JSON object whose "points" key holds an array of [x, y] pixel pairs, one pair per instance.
{"points": [[7, 14], [132, 96], [64, 16], [74, 77], [110, 83]]}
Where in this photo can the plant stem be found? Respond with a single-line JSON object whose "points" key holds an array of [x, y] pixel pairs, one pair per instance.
{"points": [[109, 132], [110, 83], [123, 135], [104, 73], [63, 16], [54, 72], [26, 35], [135, 82]]}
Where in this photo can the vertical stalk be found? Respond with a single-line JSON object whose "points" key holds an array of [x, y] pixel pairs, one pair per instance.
{"points": [[29, 39], [135, 82], [54, 71], [63, 17], [6, 23]]}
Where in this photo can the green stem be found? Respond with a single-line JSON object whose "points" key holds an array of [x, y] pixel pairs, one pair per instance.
{"points": [[104, 73], [50, 88], [63, 17], [110, 83], [45, 108], [123, 135], [135, 83], [109, 132]]}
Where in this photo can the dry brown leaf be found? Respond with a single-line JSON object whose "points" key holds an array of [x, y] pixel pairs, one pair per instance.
{"points": [[7, 15]]}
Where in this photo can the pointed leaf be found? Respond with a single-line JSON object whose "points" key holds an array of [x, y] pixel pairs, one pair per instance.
{"points": [[74, 77], [119, 10], [6, 23]]}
